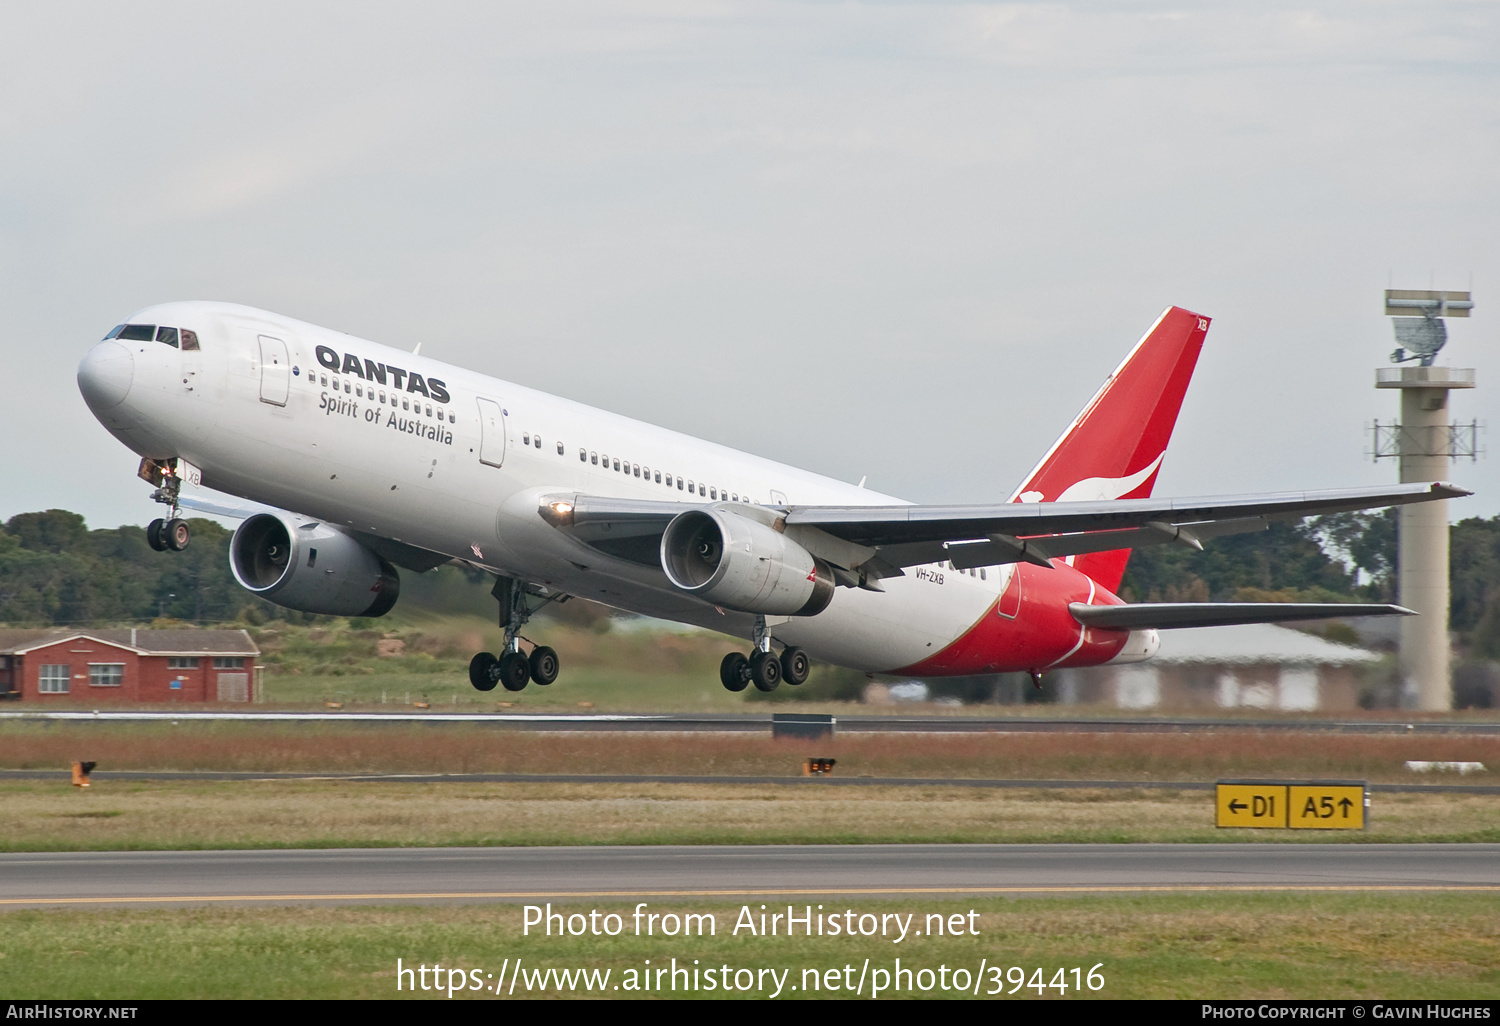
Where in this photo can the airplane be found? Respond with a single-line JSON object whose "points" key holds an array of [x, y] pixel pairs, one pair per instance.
{"points": [[359, 460]]}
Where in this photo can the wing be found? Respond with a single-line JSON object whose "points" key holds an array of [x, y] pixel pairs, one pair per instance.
{"points": [[877, 541]]}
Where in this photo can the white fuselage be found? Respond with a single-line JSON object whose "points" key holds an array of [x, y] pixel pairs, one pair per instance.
{"points": [[351, 450]]}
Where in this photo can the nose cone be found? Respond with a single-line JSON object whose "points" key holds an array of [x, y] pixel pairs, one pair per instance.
{"points": [[105, 375]]}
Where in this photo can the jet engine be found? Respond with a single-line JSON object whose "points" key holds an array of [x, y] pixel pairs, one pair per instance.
{"points": [[739, 563], [308, 565]]}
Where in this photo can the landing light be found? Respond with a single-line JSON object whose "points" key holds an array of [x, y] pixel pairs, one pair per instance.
{"points": [[558, 513]]}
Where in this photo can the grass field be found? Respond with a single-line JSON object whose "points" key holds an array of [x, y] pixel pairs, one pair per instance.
{"points": [[1165, 946], [39, 816], [468, 748]]}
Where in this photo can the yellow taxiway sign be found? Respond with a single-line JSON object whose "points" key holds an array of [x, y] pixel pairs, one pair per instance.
{"points": [[1295, 805]]}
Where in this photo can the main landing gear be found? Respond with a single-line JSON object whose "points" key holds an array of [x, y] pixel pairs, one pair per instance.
{"points": [[171, 533], [762, 667], [514, 669]]}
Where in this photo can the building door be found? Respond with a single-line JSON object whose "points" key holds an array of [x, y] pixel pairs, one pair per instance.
{"points": [[275, 371], [491, 433]]}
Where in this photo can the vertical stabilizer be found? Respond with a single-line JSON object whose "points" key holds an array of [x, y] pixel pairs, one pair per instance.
{"points": [[1114, 448]]}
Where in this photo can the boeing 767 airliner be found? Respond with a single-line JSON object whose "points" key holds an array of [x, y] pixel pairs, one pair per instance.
{"points": [[362, 459]]}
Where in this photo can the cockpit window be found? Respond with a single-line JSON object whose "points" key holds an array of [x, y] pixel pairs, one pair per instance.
{"points": [[137, 333], [189, 340], [114, 332], [167, 335]]}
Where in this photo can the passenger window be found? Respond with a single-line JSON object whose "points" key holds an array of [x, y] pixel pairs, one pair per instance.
{"points": [[691, 490], [559, 448], [137, 333], [429, 413], [593, 457], [359, 390], [382, 398], [713, 493], [679, 482], [323, 380], [526, 438], [347, 389], [617, 466], [658, 478], [452, 418], [982, 575], [538, 442], [406, 404], [736, 496], [636, 469], [189, 341], [167, 335]]}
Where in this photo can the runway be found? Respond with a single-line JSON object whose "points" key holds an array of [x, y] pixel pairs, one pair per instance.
{"points": [[731, 872], [763, 722]]}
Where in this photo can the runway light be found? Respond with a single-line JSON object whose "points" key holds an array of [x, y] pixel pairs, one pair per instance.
{"points": [[817, 767], [81, 771]]}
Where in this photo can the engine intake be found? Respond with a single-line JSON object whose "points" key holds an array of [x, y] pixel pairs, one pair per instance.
{"points": [[739, 563], [310, 566]]}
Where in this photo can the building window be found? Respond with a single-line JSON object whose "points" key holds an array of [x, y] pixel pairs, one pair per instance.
{"points": [[182, 662], [106, 675], [53, 680], [229, 662]]}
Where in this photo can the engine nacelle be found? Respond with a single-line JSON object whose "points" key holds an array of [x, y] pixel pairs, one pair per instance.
{"points": [[308, 565], [739, 563]]}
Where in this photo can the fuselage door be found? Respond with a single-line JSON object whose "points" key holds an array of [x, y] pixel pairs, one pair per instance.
{"points": [[491, 433], [275, 371]]}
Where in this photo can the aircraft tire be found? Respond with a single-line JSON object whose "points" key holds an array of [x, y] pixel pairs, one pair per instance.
{"points": [[795, 666], [482, 672], [734, 672], [514, 671], [765, 671], [177, 534], [543, 664], [156, 535]]}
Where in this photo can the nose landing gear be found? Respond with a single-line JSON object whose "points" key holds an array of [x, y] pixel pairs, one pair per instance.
{"points": [[514, 669], [764, 668], [173, 533]]}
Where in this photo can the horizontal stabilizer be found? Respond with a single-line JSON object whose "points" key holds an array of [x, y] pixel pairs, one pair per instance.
{"points": [[1164, 615]]}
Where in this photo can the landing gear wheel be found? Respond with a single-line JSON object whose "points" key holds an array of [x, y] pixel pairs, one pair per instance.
{"points": [[514, 671], [482, 672], [177, 534], [543, 665], [156, 535], [795, 666], [734, 671], [765, 671]]}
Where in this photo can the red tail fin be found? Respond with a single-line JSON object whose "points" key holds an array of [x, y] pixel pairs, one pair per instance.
{"points": [[1114, 448]]}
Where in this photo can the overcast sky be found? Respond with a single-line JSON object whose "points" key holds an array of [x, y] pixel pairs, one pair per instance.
{"points": [[897, 240]]}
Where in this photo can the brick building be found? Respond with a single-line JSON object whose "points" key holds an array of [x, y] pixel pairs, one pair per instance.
{"points": [[127, 665]]}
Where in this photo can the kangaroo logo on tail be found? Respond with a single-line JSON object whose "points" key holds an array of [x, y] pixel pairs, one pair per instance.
{"points": [[1114, 448]]}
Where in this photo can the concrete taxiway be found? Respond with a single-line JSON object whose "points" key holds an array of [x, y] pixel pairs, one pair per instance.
{"points": [[731, 872]]}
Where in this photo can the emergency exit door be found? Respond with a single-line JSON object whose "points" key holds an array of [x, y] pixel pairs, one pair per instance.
{"points": [[491, 433]]}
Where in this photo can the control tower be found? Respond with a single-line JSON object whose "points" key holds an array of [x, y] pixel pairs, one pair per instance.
{"points": [[1425, 441]]}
